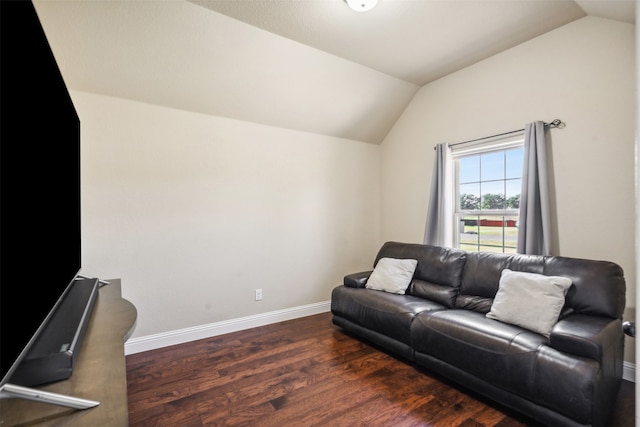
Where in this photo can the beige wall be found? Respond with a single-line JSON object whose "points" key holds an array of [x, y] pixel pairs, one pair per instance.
{"points": [[195, 212], [583, 74]]}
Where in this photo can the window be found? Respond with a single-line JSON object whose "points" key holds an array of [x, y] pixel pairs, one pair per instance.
{"points": [[488, 180]]}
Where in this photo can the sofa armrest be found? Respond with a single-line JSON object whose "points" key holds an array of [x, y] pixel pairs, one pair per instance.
{"points": [[586, 336], [629, 328], [357, 280]]}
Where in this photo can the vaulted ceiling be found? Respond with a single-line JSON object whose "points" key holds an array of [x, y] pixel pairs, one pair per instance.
{"points": [[309, 65], [415, 40]]}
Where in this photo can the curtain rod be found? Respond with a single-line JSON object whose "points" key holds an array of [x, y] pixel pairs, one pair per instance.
{"points": [[557, 123]]}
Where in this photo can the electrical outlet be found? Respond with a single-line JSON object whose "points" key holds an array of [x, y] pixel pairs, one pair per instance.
{"points": [[258, 294]]}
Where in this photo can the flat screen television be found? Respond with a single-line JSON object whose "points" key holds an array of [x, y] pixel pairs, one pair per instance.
{"points": [[40, 245]]}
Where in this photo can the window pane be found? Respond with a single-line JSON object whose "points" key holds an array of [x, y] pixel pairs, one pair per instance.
{"points": [[514, 187], [508, 231], [470, 196], [468, 232], [493, 195], [469, 169], [470, 226], [514, 163], [492, 166], [511, 233], [489, 233], [489, 249]]}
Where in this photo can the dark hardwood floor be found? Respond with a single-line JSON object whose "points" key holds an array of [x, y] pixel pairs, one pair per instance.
{"points": [[305, 372]]}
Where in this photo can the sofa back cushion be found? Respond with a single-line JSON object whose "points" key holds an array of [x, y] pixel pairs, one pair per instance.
{"points": [[481, 276], [598, 288], [438, 273]]}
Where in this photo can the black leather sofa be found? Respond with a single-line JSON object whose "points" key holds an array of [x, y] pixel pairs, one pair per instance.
{"points": [[569, 377]]}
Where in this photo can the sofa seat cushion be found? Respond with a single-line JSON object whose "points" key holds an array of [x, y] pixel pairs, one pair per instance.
{"points": [[500, 353], [383, 312]]}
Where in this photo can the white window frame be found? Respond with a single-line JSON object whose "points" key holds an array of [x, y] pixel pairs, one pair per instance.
{"points": [[476, 148]]}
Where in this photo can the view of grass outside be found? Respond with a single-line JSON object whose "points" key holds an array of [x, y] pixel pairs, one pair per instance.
{"points": [[488, 233]]}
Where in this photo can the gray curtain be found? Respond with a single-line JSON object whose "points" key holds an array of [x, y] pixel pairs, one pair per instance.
{"points": [[534, 229], [435, 228]]}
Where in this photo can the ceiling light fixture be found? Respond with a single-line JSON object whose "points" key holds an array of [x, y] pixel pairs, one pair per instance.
{"points": [[361, 5]]}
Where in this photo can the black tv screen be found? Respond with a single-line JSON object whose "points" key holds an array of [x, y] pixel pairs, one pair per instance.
{"points": [[40, 252]]}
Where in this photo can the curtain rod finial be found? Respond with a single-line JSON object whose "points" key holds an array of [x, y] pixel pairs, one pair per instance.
{"points": [[557, 123]]}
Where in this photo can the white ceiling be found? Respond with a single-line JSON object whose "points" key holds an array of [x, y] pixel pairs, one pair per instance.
{"points": [[416, 40], [309, 65]]}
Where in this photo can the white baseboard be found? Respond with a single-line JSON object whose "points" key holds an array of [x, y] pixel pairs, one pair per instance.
{"points": [[152, 342], [629, 371]]}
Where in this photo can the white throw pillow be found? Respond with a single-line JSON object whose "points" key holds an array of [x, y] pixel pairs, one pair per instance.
{"points": [[529, 300], [392, 275]]}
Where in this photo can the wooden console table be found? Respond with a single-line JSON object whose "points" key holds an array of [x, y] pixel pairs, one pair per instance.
{"points": [[99, 374]]}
